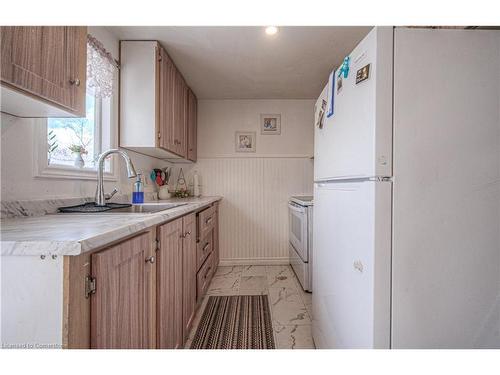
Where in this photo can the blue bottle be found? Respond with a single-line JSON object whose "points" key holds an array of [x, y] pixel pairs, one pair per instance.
{"points": [[138, 193]]}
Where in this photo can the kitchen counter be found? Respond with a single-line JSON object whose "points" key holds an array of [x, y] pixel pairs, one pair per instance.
{"points": [[74, 234]]}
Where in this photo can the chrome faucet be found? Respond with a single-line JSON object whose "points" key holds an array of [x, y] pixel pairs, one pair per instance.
{"points": [[100, 197]]}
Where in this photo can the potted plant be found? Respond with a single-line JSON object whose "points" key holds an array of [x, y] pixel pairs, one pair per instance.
{"points": [[78, 150]]}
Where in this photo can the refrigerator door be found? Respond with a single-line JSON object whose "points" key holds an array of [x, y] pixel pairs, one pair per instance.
{"points": [[352, 263], [357, 140], [446, 257]]}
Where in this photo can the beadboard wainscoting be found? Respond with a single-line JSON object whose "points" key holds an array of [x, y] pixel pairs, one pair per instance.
{"points": [[254, 211]]}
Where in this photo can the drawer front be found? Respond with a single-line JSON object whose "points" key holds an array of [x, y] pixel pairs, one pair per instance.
{"points": [[204, 276], [206, 221], [204, 248]]}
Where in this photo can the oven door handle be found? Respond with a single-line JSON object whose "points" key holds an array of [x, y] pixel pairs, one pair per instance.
{"points": [[296, 208]]}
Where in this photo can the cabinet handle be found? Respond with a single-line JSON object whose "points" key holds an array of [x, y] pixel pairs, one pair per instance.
{"points": [[187, 234], [208, 220], [150, 259], [75, 82]]}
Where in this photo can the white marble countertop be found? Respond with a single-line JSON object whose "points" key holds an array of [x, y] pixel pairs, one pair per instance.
{"points": [[73, 234]]}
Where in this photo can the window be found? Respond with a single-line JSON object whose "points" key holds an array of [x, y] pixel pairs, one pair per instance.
{"points": [[77, 142], [70, 147]]}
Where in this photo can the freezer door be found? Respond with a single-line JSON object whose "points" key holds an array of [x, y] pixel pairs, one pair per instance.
{"points": [[357, 140], [351, 278]]}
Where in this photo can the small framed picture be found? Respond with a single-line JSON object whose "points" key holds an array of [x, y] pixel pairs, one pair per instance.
{"points": [[270, 124], [245, 141]]}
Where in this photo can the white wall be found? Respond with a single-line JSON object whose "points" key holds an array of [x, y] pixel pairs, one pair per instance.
{"points": [[18, 182], [255, 187], [219, 119]]}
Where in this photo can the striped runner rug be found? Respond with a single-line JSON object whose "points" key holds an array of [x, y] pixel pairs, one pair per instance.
{"points": [[235, 322]]}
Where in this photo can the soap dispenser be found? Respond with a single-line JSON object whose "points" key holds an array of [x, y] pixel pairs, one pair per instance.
{"points": [[138, 193]]}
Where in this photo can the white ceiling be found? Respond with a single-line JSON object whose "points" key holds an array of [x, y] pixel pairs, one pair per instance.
{"points": [[245, 63]]}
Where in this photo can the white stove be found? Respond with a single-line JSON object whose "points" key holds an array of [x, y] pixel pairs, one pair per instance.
{"points": [[300, 235], [304, 200]]}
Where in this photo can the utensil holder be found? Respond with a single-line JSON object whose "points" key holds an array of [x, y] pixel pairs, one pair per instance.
{"points": [[163, 192]]}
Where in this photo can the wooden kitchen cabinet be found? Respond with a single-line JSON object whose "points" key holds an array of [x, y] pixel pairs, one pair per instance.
{"points": [[154, 103], [43, 70], [166, 98], [123, 306], [180, 115], [176, 281], [204, 276], [216, 236], [142, 292], [169, 286], [189, 271], [192, 118], [207, 249]]}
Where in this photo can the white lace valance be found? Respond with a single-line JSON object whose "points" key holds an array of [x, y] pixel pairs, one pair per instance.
{"points": [[100, 68]]}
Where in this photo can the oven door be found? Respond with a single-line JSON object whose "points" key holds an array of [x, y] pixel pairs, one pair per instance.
{"points": [[298, 229]]}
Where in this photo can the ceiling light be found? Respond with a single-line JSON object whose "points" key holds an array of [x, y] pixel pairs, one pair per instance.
{"points": [[271, 30]]}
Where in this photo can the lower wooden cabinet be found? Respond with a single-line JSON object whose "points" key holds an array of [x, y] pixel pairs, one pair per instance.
{"points": [[189, 272], [204, 249], [176, 281], [204, 275], [208, 249], [216, 236], [123, 306], [169, 286], [144, 291]]}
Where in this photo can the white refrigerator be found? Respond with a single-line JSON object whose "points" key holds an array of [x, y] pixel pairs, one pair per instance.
{"points": [[407, 194]]}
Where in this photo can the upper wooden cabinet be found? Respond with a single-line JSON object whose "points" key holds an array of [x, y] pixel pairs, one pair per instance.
{"points": [[154, 102], [43, 71], [166, 77], [192, 118], [180, 115]]}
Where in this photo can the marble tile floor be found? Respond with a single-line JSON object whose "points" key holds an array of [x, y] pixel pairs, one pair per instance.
{"points": [[291, 307]]}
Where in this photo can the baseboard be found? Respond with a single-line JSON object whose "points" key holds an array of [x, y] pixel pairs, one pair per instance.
{"points": [[255, 261]]}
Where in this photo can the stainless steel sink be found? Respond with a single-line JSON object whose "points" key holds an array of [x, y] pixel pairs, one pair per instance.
{"points": [[145, 208]]}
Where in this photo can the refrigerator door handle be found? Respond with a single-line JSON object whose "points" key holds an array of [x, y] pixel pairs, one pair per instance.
{"points": [[321, 183]]}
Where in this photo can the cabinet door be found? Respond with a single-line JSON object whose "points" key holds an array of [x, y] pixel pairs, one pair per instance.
{"points": [[180, 124], [216, 237], [189, 271], [123, 307], [192, 126], [48, 62], [169, 286], [166, 101]]}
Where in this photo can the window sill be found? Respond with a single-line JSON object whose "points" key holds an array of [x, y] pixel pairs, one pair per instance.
{"points": [[70, 173]]}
